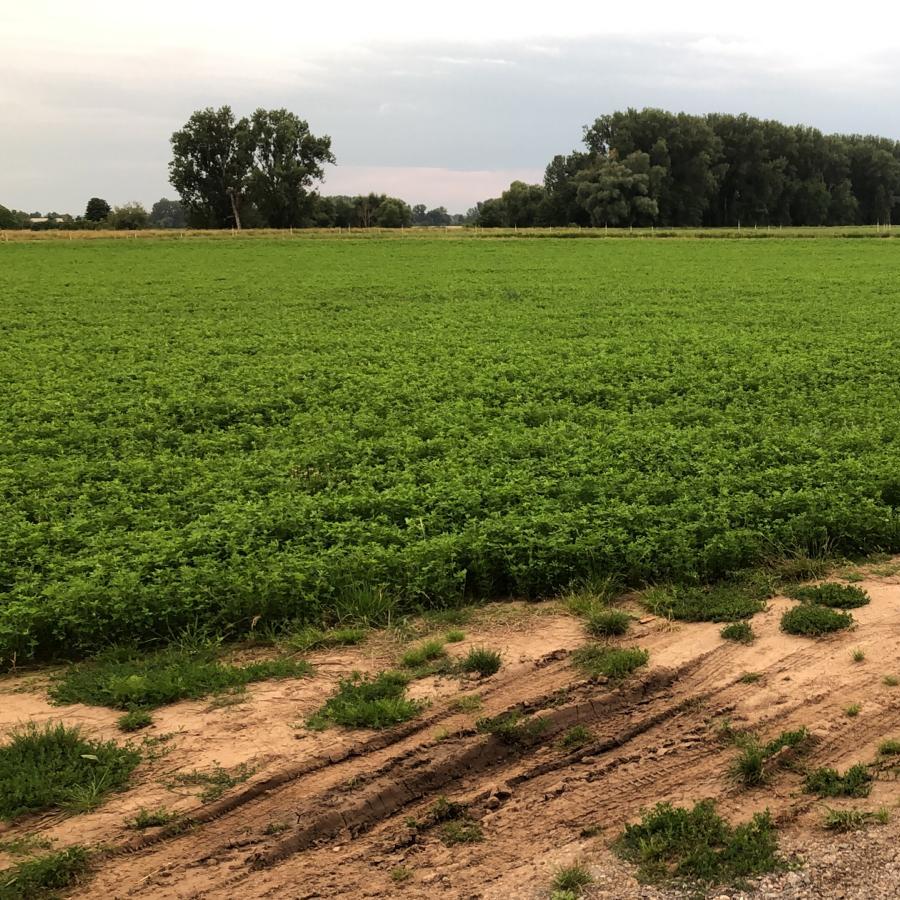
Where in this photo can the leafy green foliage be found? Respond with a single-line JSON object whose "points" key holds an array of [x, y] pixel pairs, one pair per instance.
{"points": [[827, 782], [454, 636], [424, 653], [308, 638], [752, 766], [134, 720], [52, 766], [514, 729], [675, 843], [836, 596], [853, 819], [362, 702], [151, 818], [482, 661], [215, 781], [811, 620], [740, 632], [611, 662], [890, 747], [711, 603], [575, 738], [124, 678], [608, 623], [43, 876], [230, 441]]}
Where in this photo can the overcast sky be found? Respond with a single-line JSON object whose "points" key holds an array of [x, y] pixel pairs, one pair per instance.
{"points": [[439, 103]]}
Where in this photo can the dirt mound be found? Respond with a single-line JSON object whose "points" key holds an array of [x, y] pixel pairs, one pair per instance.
{"points": [[353, 814]]}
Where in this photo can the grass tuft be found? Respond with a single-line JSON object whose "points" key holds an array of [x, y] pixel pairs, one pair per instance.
{"points": [[891, 681], [308, 638], [483, 661], [753, 765], [56, 767], [827, 782], [750, 678], [467, 703], [889, 748], [811, 620], [609, 662], [151, 818], [724, 602], [514, 729], [572, 879], [740, 632], [454, 636], [215, 781], [361, 702], [675, 843], [853, 819], [835, 596], [575, 738], [417, 657], [134, 720], [853, 710], [400, 874], [44, 876], [608, 623]]}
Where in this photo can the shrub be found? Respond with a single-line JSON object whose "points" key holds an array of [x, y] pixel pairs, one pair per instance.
{"points": [[611, 662], [836, 596], [608, 623], [483, 661], [361, 702], [811, 620], [697, 844], [52, 766], [45, 875], [741, 632], [124, 678], [827, 782]]}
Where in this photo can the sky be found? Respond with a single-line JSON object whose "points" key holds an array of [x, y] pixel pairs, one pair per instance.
{"points": [[438, 103]]}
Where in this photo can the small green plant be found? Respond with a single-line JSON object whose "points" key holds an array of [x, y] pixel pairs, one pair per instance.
{"points": [[53, 766], [483, 661], [752, 766], [454, 636], [44, 876], [608, 623], [467, 703], [575, 738], [858, 655], [676, 843], [853, 819], [836, 596], [827, 782], [750, 678], [572, 878], [461, 832], [853, 710], [307, 638], [889, 748], [891, 681], [740, 632], [124, 678], [400, 874], [214, 781], [134, 720], [151, 818], [811, 620], [375, 702], [416, 657], [609, 662], [514, 729]]}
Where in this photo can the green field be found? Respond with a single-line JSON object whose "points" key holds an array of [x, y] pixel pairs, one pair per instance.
{"points": [[203, 433]]}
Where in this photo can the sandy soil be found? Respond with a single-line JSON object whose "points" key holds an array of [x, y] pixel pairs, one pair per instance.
{"points": [[324, 814]]}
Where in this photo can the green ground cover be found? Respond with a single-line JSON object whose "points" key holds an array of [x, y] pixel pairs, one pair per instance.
{"points": [[334, 430]]}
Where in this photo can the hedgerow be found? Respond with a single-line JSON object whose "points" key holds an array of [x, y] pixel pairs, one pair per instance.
{"points": [[335, 433]]}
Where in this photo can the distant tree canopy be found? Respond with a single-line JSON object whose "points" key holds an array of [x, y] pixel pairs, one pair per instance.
{"points": [[128, 217], [652, 166], [167, 214], [257, 171], [97, 210]]}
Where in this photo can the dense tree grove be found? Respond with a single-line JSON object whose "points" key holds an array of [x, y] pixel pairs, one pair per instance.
{"points": [[650, 166]]}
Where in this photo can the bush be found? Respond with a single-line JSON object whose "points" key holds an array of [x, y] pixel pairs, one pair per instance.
{"points": [[814, 621], [360, 702], [52, 767], [483, 661], [608, 623], [44, 876], [675, 843], [611, 662], [836, 596], [741, 632]]}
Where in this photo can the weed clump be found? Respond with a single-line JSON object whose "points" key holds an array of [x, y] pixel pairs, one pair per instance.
{"points": [[608, 623], [853, 819], [454, 636], [835, 596], [753, 766], [362, 702], [43, 876], [308, 638], [514, 729], [483, 661], [740, 632], [750, 678], [134, 720], [215, 781], [680, 844], [571, 880], [467, 703], [125, 678], [53, 766], [151, 818], [609, 662], [725, 602], [575, 738], [811, 620], [456, 825], [889, 748], [827, 782], [417, 657]]}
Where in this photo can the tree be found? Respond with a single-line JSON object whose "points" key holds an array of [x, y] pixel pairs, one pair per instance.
{"points": [[129, 217], [419, 214], [286, 159], [211, 160], [10, 219], [523, 204], [97, 210], [491, 213], [618, 193], [167, 214]]}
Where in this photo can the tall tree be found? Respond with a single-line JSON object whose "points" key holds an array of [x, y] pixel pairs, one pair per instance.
{"points": [[286, 160], [167, 214], [97, 210]]}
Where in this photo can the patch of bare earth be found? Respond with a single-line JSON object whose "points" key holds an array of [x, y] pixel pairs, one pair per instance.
{"points": [[329, 814]]}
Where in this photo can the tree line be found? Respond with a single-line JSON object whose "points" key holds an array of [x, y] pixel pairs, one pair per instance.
{"points": [[639, 167], [653, 167]]}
